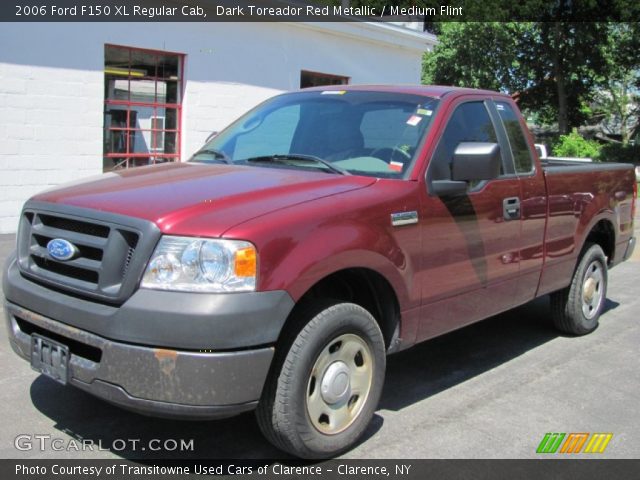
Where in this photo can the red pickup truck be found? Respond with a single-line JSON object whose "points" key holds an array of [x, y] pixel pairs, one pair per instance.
{"points": [[321, 231]]}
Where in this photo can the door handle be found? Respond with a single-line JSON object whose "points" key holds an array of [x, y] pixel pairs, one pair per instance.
{"points": [[511, 208]]}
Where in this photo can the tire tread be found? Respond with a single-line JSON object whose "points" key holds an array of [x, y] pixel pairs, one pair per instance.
{"points": [[565, 313], [275, 417]]}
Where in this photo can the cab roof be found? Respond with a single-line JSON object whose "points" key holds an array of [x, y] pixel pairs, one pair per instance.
{"points": [[436, 91]]}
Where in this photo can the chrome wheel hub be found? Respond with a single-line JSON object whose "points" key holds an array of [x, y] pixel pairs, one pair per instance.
{"points": [[336, 383], [339, 383], [592, 290]]}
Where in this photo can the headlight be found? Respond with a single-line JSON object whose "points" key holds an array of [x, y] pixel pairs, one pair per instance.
{"points": [[199, 265]]}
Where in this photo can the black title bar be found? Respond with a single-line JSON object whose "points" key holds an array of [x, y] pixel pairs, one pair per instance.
{"points": [[318, 11], [324, 470]]}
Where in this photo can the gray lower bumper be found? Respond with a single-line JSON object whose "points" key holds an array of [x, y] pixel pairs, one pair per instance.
{"points": [[163, 382], [163, 353]]}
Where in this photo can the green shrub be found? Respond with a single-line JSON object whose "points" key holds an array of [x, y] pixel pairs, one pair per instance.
{"points": [[575, 145], [616, 152]]}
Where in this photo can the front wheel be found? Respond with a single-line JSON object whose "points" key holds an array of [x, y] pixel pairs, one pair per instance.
{"points": [[326, 382], [577, 308]]}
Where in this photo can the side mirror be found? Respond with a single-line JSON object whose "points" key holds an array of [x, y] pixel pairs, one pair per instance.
{"points": [[472, 161], [476, 161]]}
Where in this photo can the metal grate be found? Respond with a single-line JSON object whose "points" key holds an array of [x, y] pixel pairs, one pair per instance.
{"points": [[77, 226], [65, 270], [105, 254]]}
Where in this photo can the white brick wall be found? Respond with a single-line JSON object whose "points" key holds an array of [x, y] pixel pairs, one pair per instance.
{"points": [[50, 130], [52, 84]]}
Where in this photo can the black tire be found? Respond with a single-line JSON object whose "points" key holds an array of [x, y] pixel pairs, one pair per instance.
{"points": [[570, 309], [283, 412]]}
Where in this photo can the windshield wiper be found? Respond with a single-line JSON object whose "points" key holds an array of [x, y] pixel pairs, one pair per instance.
{"points": [[283, 158], [218, 154]]}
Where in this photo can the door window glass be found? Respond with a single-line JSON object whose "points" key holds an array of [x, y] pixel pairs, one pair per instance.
{"points": [[517, 140], [470, 122]]}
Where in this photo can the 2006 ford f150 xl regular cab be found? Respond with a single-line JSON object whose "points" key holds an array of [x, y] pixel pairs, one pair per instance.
{"points": [[319, 232]]}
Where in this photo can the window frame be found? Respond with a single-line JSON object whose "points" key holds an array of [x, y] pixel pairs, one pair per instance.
{"points": [[152, 155]]}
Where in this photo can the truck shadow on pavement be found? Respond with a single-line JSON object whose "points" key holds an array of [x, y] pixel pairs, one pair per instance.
{"points": [[446, 361], [412, 376]]}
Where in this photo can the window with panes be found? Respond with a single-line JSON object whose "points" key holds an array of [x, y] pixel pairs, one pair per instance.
{"points": [[142, 106]]}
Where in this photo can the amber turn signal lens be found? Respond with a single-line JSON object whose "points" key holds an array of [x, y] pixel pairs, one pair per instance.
{"points": [[245, 262]]}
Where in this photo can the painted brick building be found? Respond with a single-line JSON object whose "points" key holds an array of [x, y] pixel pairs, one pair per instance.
{"points": [[79, 99]]}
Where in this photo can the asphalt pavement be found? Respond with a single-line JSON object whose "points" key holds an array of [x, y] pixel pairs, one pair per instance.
{"points": [[490, 390]]}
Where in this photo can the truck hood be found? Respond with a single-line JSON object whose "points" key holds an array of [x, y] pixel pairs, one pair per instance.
{"points": [[198, 199]]}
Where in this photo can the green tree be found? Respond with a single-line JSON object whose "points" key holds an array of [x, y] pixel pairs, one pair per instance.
{"points": [[551, 66], [477, 55], [574, 145], [617, 98]]}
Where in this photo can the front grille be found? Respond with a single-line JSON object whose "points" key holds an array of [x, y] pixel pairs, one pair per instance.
{"points": [[66, 270], [87, 252], [111, 251], [77, 226]]}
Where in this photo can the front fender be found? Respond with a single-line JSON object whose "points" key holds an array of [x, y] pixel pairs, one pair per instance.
{"points": [[301, 245], [331, 249]]}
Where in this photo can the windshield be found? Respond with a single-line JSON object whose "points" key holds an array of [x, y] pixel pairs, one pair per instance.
{"points": [[340, 132]]}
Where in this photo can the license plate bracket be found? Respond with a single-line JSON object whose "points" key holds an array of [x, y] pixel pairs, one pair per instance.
{"points": [[50, 358]]}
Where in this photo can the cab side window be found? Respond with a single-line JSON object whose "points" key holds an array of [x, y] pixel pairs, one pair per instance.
{"points": [[517, 141], [470, 122]]}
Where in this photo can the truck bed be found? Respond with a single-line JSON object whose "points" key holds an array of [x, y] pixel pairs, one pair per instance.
{"points": [[579, 197]]}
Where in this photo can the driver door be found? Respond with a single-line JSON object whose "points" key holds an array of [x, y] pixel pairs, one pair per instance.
{"points": [[470, 261]]}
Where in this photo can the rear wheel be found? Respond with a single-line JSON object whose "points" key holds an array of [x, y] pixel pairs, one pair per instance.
{"points": [[577, 308], [326, 382]]}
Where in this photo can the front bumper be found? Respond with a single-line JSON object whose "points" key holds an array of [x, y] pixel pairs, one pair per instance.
{"points": [[156, 381], [169, 354]]}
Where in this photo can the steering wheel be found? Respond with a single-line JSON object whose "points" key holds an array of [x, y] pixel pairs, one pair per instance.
{"points": [[389, 153]]}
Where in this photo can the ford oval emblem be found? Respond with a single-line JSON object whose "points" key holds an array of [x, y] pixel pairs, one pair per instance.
{"points": [[61, 249]]}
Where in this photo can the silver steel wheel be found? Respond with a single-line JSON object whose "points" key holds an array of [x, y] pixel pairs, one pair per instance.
{"points": [[592, 290], [339, 383]]}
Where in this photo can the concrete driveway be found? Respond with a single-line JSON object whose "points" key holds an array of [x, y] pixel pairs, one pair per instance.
{"points": [[491, 390]]}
